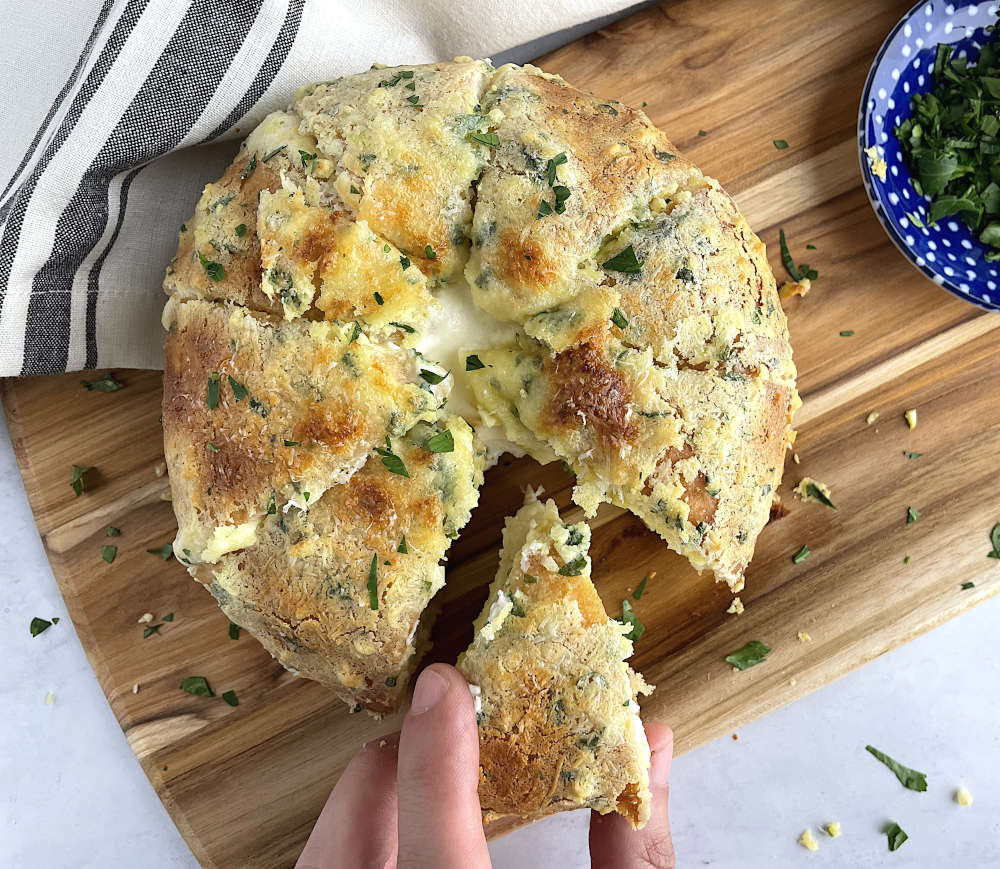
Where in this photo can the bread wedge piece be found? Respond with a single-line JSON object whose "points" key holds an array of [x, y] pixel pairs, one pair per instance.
{"points": [[556, 703]]}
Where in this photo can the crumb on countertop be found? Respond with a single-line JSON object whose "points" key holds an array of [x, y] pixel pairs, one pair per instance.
{"points": [[832, 829], [911, 418], [160, 468], [736, 607], [50, 698], [808, 841], [809, 489], [963, 797], [871, 417], [804, 637], [794, 288], [145, 618]]}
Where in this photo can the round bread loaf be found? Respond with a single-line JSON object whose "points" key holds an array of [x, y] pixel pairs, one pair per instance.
{"points": [[412, 270]]}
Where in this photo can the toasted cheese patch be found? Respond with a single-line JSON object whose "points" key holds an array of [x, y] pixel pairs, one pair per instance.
{"points": [[256, 410], [557, 712], [306, 590]]}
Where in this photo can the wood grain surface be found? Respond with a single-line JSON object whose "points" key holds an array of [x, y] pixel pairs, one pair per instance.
{"points": [[245, 784]]}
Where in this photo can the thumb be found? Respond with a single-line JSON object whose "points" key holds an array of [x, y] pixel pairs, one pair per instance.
{"points": [[440, 824]]}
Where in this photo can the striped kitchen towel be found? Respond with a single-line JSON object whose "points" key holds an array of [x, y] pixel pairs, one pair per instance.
{"points": [[89, 217]]}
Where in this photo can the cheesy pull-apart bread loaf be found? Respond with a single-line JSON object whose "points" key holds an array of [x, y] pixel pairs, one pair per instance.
{"points": [[410, 271], [556, 703]]}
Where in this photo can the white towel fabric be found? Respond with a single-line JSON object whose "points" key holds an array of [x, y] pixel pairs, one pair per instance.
{"points": [[88, 220]]}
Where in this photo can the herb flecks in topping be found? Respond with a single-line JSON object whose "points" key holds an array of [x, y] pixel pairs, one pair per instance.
{"points": [[432, 377], [241, 230], [429, 252], [624, 261], [273, 153], [442, 442], [619, 319], [404, 262], [249, 168], [108, 383], [239, 390], [473, 363], [214, 270], [77, 481], [212, 391], [574, 567], [197, 685], [373, 583], [491, 140], [908, 778], [306, 158], [631, 619], [752, 654], [392, 462], [234, 631], [402, 546]]}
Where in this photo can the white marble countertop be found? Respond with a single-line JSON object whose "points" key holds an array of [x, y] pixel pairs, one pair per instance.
{"points": [[73, 794]]}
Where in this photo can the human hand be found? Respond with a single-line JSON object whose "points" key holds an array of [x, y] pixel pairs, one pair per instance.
{"points": [[410, 800]]}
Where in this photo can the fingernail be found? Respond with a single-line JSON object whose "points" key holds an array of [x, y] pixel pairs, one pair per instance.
{"points": [[429, 690], [659, 770]]}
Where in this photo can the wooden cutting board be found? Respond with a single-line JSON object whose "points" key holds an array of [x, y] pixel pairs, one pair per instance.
{"points": [[245, 784]]}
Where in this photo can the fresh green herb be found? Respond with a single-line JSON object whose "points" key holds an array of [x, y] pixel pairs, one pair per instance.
{"points": [[393, 463], [894, 833], [378, 298], [847, 333], [404, 262], [415, 100], [432, 377], [562, 193], [107, 383], [355, 332], [165, 552], [212, 391], [702, 132], [912, 515], [664, 156], [797, 272], [638, 593], [241, 230], [810, 247], [273, 153], [442, 442], [995, 541], [491, 140], [230, 698], [574, 567], [908, 778], [355, 190], [529, 579], [213, 269], [429, 252], [801, 555], [625, 262], [814, 491], [780, 144], [752, 654], [197, 685], [249, 168], [544, 209], [396, 79], [619, 319], [390, 681], [291, 443], [108, 553], [169, 617], [77, 482], [910, 455], [272, 508], [38, 626], [402, 546], [630, 618], [950, 142], [373, 583], [114, 532], [552, 167], [149, 630], [967, 585], [915, 219], [473, 363], [306, 158], [234, 631], [239, 390], [212, 447], [403, 326]]}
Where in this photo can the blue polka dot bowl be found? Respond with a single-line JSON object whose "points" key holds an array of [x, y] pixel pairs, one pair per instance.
{"points": [[948, 252]]}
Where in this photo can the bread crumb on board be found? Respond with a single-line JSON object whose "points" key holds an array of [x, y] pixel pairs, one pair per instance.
{"points": [[832, 829], [804, 637], [145, 618], [794, 288], [911, 417], [871, 417], [135, 688], [808, 841], [736, 607], [809, 489], [160, 468], [963, 797], [877, 163]]}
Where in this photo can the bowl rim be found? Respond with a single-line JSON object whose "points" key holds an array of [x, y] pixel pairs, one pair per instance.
{"points": [[868, 180]]}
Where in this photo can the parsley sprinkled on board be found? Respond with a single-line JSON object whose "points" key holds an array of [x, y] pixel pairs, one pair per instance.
{"points": [[393, 463], [847, 333], [797, 272], [234, 631], [77, 480], [432, 377], [641, 590], [273, 153], [442, 442], [230, 698], [169, 617], [908, 778], [951, 141], [912, 515], [473, 363], [39, 626], [910, 455], [619, 319], [197, 685], [752, 654], [212, 391], [149, 630], [995, 541], [491, 140], [402, 546], [373, 583], [625, 262], [630, 618], [249, 168], [894, 833], [108, 553], [967, 585], [702, 132], [574, 567], [429, 252], [114, 532], [165, 552], [213, 269], [801, 555], [779, 144], [241, 230], [107, 383]]}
